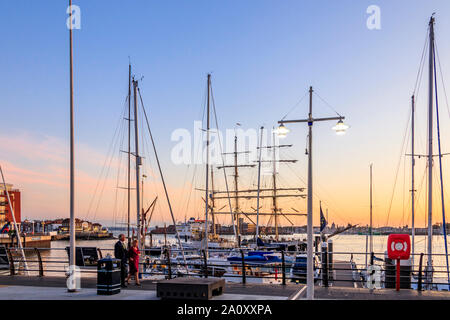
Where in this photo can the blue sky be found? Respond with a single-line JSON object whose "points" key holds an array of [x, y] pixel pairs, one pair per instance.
{"points": [[263, 56]]}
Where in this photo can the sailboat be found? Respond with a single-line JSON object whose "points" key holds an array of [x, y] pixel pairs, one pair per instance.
{"points": [[432, 99]]}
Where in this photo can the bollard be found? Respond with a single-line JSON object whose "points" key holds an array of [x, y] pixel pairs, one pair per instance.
{"points": [[205, 261], [283, 268], [243, 267], [41, 268], [324, 265], [419, 284]]}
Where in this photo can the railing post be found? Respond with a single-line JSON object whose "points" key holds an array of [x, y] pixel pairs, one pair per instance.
{"points": [[12, 270], [324, 265], [243, 267], [169, 263], [41, 267], [419, 283], [283, 268], [330, 260], [100, 253], [205, 264]]}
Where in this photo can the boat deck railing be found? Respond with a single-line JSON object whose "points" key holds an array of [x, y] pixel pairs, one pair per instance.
{"points": [[340, 269]]}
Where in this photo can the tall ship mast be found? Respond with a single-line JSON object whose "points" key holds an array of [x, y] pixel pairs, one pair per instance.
{"points": [[272, 192]]}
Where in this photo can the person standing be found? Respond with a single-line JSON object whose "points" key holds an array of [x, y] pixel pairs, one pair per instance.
{"points": [[134, 262], [121, 253]]}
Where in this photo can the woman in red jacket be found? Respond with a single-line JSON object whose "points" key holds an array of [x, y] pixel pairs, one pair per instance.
{"points": [[134, 262]]}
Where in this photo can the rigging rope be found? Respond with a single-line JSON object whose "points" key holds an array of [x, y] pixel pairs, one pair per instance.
{"points": [[162, 177], [398, 167], [224, 170], [440, 168]]}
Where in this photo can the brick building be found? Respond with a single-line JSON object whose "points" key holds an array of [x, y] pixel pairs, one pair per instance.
{"points": [[5, 211]]}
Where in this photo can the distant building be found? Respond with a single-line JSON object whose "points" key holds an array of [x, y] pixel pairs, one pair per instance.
{"points": [[66, 225], [5, 211]]}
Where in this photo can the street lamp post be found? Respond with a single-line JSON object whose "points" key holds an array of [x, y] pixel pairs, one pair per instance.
{"points": [[282, 132]]}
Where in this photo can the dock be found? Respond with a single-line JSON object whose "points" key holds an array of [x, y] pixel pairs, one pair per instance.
{"points": [[344, 275]]}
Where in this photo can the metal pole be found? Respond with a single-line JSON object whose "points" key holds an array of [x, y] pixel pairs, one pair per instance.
{"points": [[243, 267], [325, 276], [430, 156], [412, 180], [371, 207], [129, 155], [72, 258], [142, 215], [138, 164], [310, 272], [236, 188], [213, 203], [274, 179], [207, 165], [259, 183]]}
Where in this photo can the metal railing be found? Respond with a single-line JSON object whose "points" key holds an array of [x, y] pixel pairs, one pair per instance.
{"points": [[331, 268]]}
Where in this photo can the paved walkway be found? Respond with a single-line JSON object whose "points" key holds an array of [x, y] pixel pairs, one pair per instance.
{"points": [[58, 293], [23, 287]]}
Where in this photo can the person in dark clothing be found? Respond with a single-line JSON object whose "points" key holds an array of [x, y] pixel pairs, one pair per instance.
{"points": [[121, 253]]}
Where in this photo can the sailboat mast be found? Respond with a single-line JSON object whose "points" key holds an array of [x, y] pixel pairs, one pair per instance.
{"points": [[236, 190], [138, 164], [259, 182], [212, 202], [129, 156], [371, 207], [430, 145], [274, 178], [207, 163], [413, 230]]}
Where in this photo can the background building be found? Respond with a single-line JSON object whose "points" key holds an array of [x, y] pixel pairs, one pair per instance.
{"points": [[5, 212]]}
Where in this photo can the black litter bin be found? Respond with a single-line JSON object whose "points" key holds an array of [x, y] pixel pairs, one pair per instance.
{"points": [[108, 276]]}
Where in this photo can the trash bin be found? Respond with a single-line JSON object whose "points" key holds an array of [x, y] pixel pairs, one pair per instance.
{"points": [[108, 276]]}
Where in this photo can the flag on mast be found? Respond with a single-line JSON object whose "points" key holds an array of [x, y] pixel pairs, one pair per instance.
{"points": [[323, 221]]}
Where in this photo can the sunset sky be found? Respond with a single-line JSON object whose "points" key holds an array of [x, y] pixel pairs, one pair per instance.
{"points": [[263, 56]]}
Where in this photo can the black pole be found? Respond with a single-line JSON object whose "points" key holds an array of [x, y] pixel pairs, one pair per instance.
{"points": [[419, 284], [324, 265], [283, 268], [243, 267], [205, 260], [169, 263]]}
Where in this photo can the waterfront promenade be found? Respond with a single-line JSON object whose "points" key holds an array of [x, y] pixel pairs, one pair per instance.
{"points": [[54, 288]]}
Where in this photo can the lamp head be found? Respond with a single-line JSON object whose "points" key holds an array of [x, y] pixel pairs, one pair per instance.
{"points": [[340, 128], [282, 131]]}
